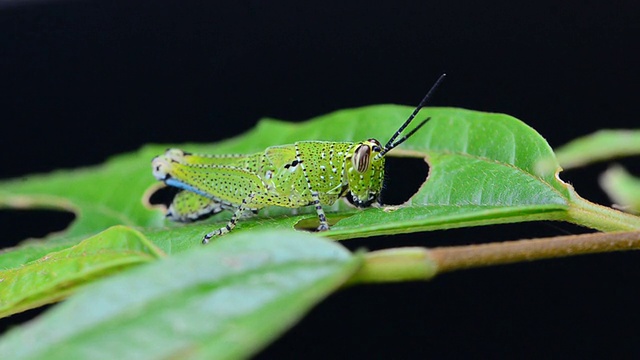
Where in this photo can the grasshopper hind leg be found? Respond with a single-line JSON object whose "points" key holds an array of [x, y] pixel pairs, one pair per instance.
{"points": [[188, 207], [245, 208], [232, 222]]}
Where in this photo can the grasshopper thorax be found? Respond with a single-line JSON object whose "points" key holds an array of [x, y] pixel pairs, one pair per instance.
{"points": [[365, 172]]}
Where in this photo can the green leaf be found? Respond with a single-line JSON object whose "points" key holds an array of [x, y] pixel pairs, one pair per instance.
{"points": [[59, 273], [100, 196], [485, 169], [622, 187], [599, 146], [225, 300]]}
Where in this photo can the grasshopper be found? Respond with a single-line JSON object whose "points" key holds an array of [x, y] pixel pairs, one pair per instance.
{"points": [[306, 173]]}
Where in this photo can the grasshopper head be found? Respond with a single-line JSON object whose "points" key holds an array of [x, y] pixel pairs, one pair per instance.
{"points": [[365, 172]]}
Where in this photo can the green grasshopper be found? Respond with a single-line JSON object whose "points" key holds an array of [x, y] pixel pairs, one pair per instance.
{"points": [[301, 174]]}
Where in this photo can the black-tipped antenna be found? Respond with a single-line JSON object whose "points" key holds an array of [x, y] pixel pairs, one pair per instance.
{"points": [[390, 144], [404, 138]]}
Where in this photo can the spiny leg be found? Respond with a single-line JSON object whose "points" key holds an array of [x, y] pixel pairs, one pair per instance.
{"points": [[324, 225], [232, 222]]}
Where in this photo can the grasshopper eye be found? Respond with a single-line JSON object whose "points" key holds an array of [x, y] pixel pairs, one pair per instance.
{"points": [[376, 145], [361, 158]]}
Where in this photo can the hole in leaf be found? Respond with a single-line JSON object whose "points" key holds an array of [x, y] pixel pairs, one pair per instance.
{"points": [[403, 178], [20, 318], [23, 224], [163, 195], [311, 224]]}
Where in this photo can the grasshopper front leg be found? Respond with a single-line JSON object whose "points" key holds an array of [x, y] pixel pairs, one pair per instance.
{"points": [[232, 222]]}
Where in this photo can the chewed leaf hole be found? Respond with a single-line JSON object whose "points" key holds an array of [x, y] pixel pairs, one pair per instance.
{"points": [[311, 224], [162, 195], [24, 224], [403, 178]]}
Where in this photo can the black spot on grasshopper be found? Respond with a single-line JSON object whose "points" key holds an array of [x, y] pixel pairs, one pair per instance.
{"points": [[293, 163]]}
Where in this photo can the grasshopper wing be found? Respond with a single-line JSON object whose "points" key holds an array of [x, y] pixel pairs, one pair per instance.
{"points": [[280, 156]]}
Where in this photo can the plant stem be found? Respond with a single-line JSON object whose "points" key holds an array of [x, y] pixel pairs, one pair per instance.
{"points": [[416, 263], [465, 257], [586, 213], [393, 265]]}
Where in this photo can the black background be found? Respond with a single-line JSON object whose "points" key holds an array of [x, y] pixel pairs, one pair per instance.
{"points": [[83, 80]]}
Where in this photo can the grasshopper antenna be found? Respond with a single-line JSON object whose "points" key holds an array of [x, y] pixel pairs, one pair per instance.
{"points": [[391, 144]]}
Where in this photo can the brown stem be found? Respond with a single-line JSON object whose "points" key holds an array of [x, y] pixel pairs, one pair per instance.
{"points": [[465, 257], [418, 263]]}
